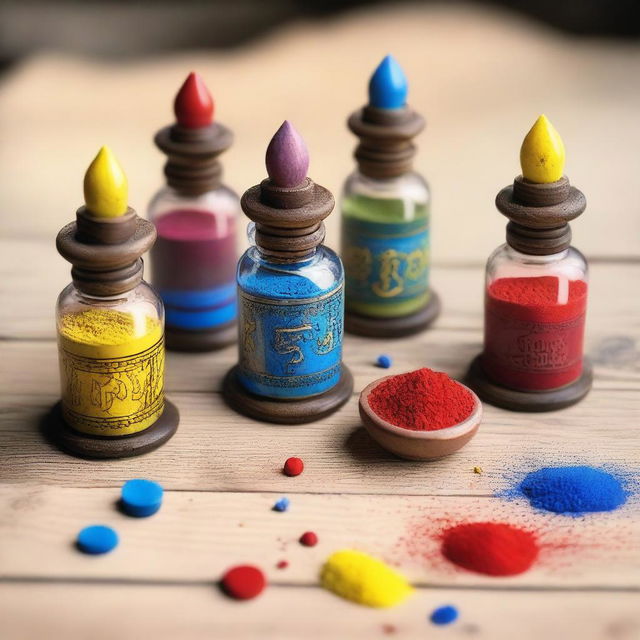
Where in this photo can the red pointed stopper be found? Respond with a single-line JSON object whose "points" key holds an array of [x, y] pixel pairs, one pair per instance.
{"points": [[193, 105], [287, 158]]}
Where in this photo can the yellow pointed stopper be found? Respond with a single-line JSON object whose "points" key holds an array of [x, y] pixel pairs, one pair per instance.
{"points": [[106, 192], [542, 153]]}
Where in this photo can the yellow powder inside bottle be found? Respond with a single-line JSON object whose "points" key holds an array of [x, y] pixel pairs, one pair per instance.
{"points": [[358, 577], [112, 371]]}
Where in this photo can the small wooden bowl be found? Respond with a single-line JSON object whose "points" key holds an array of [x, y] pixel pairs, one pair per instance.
{"points": [[418, 445]]}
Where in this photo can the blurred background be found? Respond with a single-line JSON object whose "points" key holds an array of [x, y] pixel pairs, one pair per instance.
{"points": [[76, 75]]}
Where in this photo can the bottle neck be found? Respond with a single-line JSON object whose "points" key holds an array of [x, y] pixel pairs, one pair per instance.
{"points": [[536, 259], [276, 249]]}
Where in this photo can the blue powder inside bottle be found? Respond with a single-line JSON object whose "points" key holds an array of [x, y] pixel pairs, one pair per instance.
{"points": [[572, 490]]}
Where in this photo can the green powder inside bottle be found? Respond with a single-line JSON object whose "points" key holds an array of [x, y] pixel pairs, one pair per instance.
{"points": [[385, 248]]}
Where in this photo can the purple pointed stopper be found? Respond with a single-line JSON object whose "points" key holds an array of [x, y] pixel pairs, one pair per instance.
{"points": [[287, 157]]}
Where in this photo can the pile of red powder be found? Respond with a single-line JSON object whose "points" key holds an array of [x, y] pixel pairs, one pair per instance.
{"points": [[492, 548], [422, 400]]}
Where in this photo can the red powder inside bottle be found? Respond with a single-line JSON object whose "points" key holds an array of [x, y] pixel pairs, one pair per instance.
{"points": [[533, 342], [423, 400], [492, 548]]}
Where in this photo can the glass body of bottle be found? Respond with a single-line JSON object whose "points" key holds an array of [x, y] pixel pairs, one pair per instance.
{"points": [[193, 261], [385, 244], [111, 353], [535, 310], [291, 323]]}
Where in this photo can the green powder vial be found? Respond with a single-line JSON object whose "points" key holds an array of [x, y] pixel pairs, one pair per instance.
{"points": [[385, 216], [385, 245]]}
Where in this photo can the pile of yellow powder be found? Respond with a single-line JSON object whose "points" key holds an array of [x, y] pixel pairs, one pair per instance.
{"points": [[358, 577]]}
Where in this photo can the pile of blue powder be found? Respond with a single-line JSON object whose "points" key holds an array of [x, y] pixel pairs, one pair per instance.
{"points": [[572, 490]]}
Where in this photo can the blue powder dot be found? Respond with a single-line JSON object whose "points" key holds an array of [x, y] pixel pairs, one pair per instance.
{"points": [[281, 505], [141, 498], [384, 361], [97, 539], [444, 615], [573, 490]]}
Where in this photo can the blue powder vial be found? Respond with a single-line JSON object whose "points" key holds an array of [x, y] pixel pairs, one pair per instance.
{"points": [[290, 297], [386, 216]]}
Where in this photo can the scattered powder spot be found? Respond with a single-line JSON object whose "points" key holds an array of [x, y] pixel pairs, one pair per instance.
{"points": [[282, 564], [389, 628], [477, 470], [243, 582], [309, 539], [358, 577], [293, 467], [282, 504], [444, 615]]}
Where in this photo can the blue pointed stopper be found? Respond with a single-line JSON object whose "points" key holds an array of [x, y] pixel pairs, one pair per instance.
{"points": [[287, 158], [388, 86]]}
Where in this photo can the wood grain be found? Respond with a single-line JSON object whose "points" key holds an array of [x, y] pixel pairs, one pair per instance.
{"points": [[183, 542], [197, 612], [217, 450]]}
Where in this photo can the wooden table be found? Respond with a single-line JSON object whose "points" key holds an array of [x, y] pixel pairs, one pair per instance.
{"points": [[222, 472]]}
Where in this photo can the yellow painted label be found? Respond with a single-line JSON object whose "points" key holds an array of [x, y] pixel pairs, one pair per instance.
{"points": [[542, 153], [106, 192], [112, 377]]}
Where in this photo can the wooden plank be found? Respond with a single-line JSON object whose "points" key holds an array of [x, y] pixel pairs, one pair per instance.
{"points": [[215, 449], [131, 612], [198, 534]]}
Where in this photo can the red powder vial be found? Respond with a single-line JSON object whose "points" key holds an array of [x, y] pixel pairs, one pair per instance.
{"points": [[293, 466], [535, 310], [243, 582], [492, 548]]}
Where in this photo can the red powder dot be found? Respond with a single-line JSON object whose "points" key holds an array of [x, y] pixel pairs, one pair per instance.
{"points": [[492, 548], [282, 564], [309, 539], [293, 466], [243, 582]]}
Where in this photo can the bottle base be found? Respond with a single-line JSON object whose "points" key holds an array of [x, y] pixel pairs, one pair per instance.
{"points": [[201, 339], [286, 411], [84, 445], [393, 327], [528, 401]]}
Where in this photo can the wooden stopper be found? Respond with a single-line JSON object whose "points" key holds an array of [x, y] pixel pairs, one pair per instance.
{"points": [[192, 165], [106, 252], [386, 148], [540, 214]]}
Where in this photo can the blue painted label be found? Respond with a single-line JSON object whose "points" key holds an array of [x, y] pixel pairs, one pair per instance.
{"points": [[204, 309], [385, 264], [291, 348]]}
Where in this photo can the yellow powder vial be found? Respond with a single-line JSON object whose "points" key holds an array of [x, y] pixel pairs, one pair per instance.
{"points": [[358, 577], [111, 363], [110, 326]]}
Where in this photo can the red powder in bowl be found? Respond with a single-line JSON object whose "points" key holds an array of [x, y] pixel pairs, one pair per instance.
{"points": [[492, 548], [423, 400]]}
